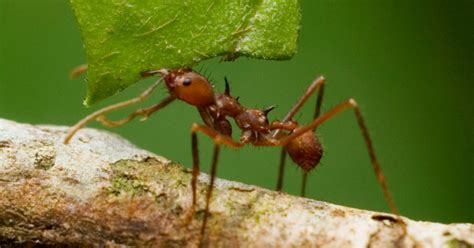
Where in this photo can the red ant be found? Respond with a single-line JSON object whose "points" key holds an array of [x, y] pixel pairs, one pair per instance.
{"points": [[299, 141]]}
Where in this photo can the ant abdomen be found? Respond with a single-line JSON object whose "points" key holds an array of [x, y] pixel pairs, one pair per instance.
{"points": [[306, 151]]}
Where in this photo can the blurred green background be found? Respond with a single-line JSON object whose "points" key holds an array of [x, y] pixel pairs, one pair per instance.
{"points": [[408, 63]]}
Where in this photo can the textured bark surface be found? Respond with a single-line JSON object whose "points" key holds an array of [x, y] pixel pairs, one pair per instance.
{"points": [[102, 190]]}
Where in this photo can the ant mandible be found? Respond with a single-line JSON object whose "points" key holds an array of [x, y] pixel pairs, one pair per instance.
{"points": [[299, 141]]}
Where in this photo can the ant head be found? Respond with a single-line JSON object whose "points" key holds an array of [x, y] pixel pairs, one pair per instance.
{"points": [[189, 86]]}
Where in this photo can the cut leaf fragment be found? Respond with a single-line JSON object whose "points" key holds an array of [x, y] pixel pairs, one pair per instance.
{"points": [[125, 37]]}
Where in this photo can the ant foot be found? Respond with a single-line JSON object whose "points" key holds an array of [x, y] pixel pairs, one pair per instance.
{"points": [[188, 216]]}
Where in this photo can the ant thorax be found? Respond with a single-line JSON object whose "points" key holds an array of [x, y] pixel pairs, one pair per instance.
{"points": [[253, 122], [228, 105], [255, 127]]}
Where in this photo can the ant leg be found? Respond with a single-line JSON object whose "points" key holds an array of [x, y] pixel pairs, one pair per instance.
{"points": [[195, 174], [196, 170], [77, 71], [351, 103], [317, 112], [319, 102], [304, 179], [281, 170], [107, 109], [145, 112], [151, 73], [215, 158], [317, 83], [219, 139]]}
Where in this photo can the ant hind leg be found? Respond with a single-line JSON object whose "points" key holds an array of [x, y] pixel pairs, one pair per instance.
{"points": [[304, 179], [351, 103], [281, 169], [318, 83], [317, 112]]}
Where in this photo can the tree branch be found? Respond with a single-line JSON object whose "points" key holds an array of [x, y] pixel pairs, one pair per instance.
{"points": [[102, 190]]}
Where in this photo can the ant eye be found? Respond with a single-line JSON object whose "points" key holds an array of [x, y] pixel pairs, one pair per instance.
{"points": [[187, 81]]}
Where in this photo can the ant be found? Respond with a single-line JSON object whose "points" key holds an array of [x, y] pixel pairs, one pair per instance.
{"points": [[298, 141]]}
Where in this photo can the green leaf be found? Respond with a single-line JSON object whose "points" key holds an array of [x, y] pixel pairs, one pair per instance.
{"points": [[125, 37]]}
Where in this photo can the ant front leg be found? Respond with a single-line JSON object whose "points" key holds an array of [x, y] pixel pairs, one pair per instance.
{"points": [[318, 83], [108, 109], [219, 139], [145, 112], [351, 103]]}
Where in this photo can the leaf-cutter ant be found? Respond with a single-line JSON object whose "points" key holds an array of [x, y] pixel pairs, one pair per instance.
{"points": [[215, 109]]}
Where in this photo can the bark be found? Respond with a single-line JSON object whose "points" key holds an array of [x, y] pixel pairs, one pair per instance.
{"points": [[101, 190]]}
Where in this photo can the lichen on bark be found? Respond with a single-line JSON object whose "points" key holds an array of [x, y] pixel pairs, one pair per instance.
{"points": [[101, 190]]}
